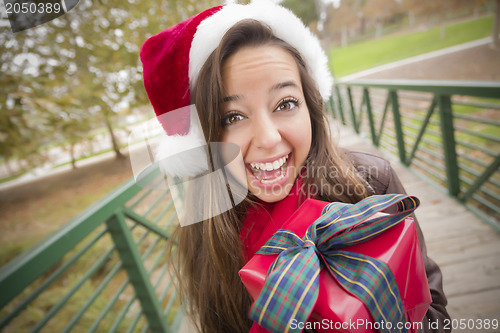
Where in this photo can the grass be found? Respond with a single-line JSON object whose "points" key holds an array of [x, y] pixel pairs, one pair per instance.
{"points": [[85, 187], [371, 53], [44, 217], [64, 284], [8, 179], [86, 156], [32, 211]]}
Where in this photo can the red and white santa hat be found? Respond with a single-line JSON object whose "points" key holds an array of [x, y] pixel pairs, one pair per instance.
{"points": [[173, 59]]}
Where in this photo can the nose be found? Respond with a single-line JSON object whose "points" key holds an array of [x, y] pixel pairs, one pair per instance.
{"points": [[266, 133]]}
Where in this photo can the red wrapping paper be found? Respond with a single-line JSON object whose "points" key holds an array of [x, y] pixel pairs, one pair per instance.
{"points": [[338, 310]]}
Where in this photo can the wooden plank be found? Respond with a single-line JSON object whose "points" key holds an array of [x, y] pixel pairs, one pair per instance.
{"points": [[478, 306], [452, 226], [472, 276], [451, 250]]}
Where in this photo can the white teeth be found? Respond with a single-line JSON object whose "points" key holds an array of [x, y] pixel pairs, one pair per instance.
{"points": [[270, 181], [270, 165]]}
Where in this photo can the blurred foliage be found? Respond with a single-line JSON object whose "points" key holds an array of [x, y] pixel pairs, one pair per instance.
{"points": [[305, 10], [64, 78]]}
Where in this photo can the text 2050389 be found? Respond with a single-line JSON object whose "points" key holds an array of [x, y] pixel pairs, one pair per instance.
{"points": [[33, 8]]}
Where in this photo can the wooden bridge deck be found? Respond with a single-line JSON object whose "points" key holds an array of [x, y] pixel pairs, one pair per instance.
{"points": [[466, 248]]}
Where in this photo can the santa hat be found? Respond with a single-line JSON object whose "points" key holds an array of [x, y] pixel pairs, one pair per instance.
{"points": [[173, 59]]}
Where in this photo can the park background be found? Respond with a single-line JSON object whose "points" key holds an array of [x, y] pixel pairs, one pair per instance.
{"points": [[72, 92]]}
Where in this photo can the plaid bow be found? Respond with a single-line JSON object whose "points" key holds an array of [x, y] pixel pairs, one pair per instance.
{"points": [[291, 287]]}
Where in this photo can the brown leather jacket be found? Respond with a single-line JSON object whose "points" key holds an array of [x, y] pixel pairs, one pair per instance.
{"points": [[381, 179]]}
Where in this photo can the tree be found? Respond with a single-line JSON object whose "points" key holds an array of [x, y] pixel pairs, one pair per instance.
{"points": [[343, 20], [86, 70], [305, 10], [496, 26], [427, 10], [381, 12], [22, 126]]}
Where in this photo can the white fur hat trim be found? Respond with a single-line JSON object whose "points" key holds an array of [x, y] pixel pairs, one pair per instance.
{"points": [[184, 155]]}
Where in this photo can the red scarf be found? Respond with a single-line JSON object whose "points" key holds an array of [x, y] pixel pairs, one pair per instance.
{"points": [[262, 221]]}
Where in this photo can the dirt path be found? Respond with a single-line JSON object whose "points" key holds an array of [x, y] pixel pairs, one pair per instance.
{"points": [[31, 211], [105, 171]]}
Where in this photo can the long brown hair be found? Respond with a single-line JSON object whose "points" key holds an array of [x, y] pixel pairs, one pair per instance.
{"points": [[210, 253]]}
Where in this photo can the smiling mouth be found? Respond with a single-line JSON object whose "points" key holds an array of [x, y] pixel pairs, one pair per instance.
{"points": [[270, 172]]}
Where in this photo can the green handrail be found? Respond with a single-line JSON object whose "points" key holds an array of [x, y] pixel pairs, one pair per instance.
{"points": [[125, 230], [446, 131]]}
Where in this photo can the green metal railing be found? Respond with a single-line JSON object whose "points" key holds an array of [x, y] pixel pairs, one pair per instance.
{"points": [[105, 270], [447, 131]]}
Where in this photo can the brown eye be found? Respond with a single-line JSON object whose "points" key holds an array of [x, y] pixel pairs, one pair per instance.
{"points": [[234, 118], [231, 119], [287, 104]]}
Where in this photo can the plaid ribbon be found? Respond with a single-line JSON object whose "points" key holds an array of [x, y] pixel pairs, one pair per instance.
{"points": [[291, 288]]}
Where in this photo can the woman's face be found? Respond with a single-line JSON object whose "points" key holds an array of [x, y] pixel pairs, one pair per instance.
{"points": [[264, 112]]}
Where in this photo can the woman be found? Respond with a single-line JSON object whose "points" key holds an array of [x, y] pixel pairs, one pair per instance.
{"points": [[258, 79]]}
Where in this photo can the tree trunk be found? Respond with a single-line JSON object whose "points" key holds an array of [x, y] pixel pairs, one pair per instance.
{"points": [[344, 37], [20, 166], [443, 10], [378, 32], [8, 167], [362, 25], [72, 154], [496, 26], [411, 18], [114, 141]]}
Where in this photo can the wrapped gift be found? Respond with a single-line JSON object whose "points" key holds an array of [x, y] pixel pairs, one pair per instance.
{"points": [[353, 269]]}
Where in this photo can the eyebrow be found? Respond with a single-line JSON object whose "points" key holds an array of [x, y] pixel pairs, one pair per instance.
{"points": [[231, 98], [277, 86], [282, 85]]}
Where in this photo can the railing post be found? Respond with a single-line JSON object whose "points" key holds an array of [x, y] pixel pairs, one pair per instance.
{"points": [[366, 97], [398, 126], [382, 121], [481, 179], [428, 116], [449, 147], [330, 107], [353, 114], [132, 262], [340, 104]]}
